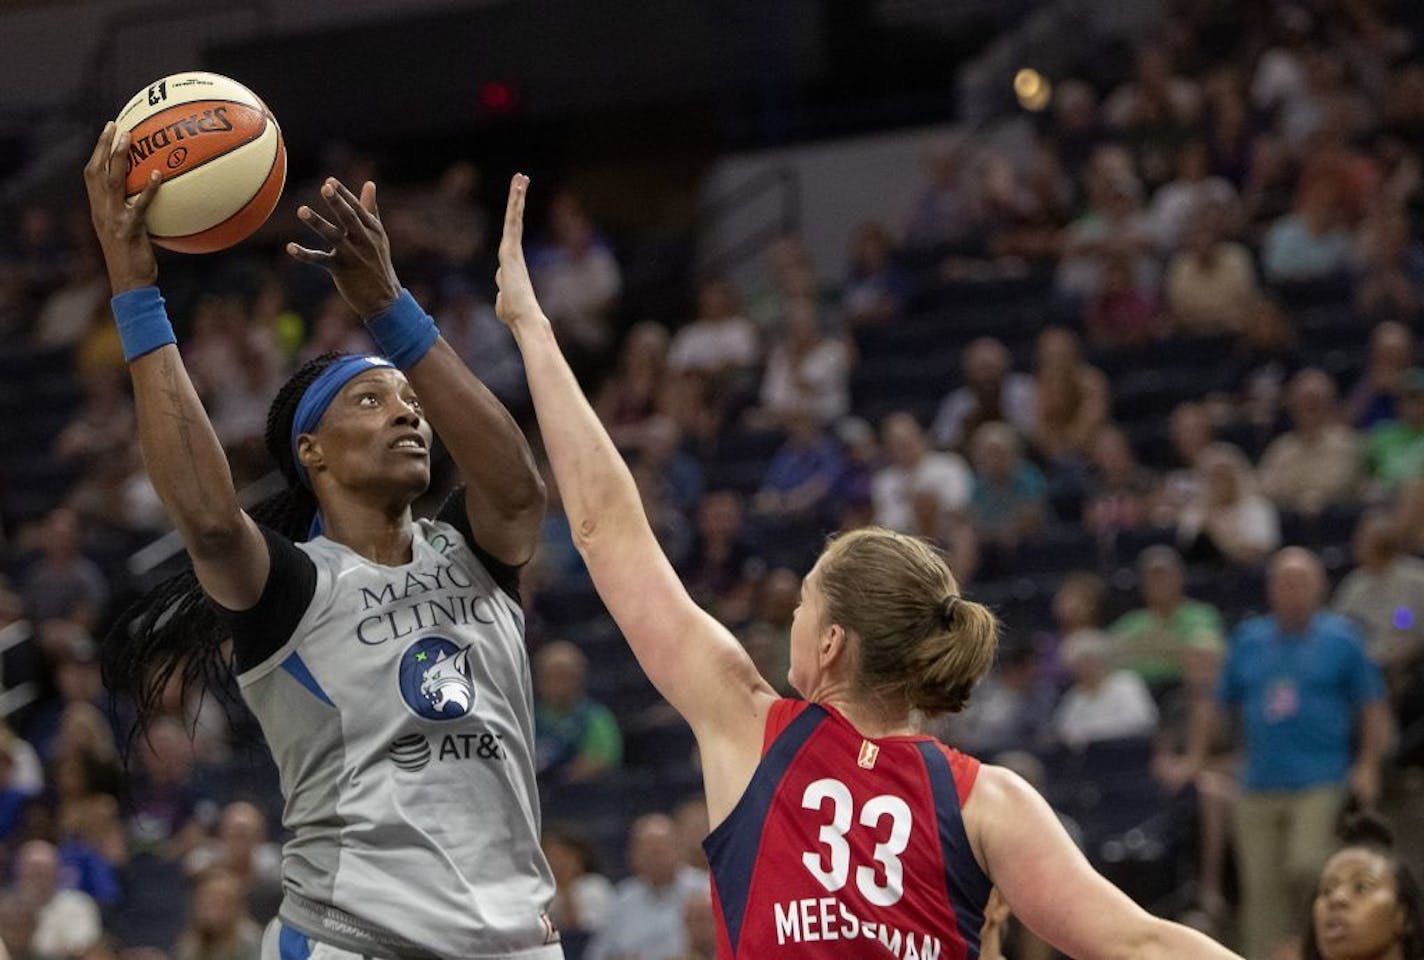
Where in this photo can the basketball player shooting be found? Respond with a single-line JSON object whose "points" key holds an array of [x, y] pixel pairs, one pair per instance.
{"points": [[383, 656], [838, 830]]}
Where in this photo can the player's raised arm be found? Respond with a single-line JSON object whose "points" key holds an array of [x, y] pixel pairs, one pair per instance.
{"points": [[693, 661], [504, 495], [181, 452]]}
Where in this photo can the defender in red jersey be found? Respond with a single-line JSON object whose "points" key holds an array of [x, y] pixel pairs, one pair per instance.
{"points": [[838, 832]]}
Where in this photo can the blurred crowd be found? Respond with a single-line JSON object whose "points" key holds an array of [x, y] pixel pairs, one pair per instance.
{"points": [[1228, 228]]}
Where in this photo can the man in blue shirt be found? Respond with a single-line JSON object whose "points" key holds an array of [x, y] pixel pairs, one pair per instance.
{"points": [[1300, 681]]}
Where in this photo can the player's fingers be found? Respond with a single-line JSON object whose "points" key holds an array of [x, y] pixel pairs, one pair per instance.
{"points": [[368, 199], [146, 195], [361, 214], [327, 230], [332, 192], [99, 159], [511, 244], [308, 255], [118, 164]]}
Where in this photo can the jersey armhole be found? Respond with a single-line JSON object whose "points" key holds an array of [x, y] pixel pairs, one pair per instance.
{"points": [[965, 769], [778, 718], [268, 625], [453, 512]]}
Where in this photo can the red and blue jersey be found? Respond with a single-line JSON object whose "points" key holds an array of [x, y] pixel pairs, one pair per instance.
{"points": [[847, 847]]}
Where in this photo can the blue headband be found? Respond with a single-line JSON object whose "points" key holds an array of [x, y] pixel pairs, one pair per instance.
{"points": [[319, 395]]}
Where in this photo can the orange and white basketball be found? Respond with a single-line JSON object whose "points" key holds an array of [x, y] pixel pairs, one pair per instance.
{"points": [[219, 151]]}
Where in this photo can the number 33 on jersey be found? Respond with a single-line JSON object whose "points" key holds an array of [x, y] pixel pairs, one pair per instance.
{"points": [[844, 847]]}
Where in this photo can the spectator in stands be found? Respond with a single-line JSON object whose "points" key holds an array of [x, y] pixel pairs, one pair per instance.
{"points": [[1113, 224], [1025, 206], [1390, 285], [1012, 708], [1121, 490], [720, 341], [991, 392], [644, 920], [700, 925], [723, 560], [807, 373], [1396, 447], [91, 847], [104, 424], [336, 327], [575, 737], [1302, 685], [945, 218], [667, 518], [692, 828], [768, 636], [1078, 604], [581, 893], [577, 279], [165, 804], [1178, 204], [1155, 640], [219, 927], [15, 795], [860, 460], [1391, 354], [1190, 431], [875, 289], [1316, 464], [1102, 703], [1010, 496], [1384, 595], [1368, 902], [1229, 522], [1211, 281], [912, 468], [1071, 398], [64, 318], [65, 922], [1154, 106], [63, 584], [441, 223], [241, 848], [676, 473], [1261, 364], [1121, 313], [801, 477], [239, 400], [1313, 243], [469, 325], [630, 394]]}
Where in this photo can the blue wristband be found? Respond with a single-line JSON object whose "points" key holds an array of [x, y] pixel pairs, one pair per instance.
{"points": [[403, 331], [142, 321]]}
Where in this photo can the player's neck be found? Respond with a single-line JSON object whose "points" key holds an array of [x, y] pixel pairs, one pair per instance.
{"points": [[374, 533], [870, 720]]}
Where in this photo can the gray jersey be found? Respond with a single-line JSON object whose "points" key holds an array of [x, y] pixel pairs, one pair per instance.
{"points": [[400, 715]]}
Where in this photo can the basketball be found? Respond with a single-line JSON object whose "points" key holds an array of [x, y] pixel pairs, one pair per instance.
{"points": [[220, 154]]}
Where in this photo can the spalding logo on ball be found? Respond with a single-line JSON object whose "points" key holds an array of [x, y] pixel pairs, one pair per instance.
{"points": [[220, 154]]}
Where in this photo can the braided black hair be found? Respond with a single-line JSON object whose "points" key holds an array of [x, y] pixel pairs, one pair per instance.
{"points": [[1369, 831], [173, 629]]}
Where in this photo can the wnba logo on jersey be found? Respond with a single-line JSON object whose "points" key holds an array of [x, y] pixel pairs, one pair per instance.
{"points": [[435, 679], [868, 754]]}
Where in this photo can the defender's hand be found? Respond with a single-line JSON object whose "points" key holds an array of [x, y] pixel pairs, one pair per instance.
{"points": [[515, 303]]}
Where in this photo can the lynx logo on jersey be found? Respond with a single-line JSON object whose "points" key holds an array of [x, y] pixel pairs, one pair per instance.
{"points": [[435, 679]]}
